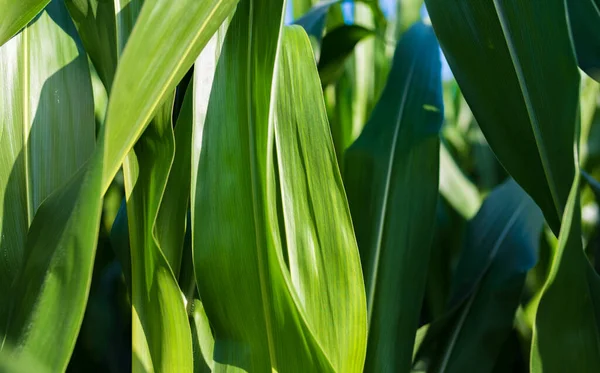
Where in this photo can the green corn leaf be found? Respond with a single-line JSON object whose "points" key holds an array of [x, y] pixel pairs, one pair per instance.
{"points": [[500, 248], [565, 335], [337, 46], [202, 337], [584, 16], [191, 25], [16, 15], [391, 176], [96, 23], [62, 238], [316, 217], [161, 335], [47, 129], [495, 49], [170, 222], [242, 228]]}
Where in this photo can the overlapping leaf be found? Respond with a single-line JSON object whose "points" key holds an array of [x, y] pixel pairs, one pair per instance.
{"points": [[391, 175], [55, 279], [161, 334], [501, 247], [47, 129], [250, 213], [567, 321], [502, 53], [96, 23], [16, 15]]}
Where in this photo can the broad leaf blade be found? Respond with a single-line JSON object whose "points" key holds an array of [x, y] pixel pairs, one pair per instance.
{"points": [[391, 176], [500, 248], [16, 15], [528, 121], [47, 126], [238, 257], [62, 239], [565, 335], [316, 217]]}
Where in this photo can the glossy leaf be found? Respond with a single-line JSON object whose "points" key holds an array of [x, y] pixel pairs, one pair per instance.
{"points": [[528, 122], [239, 238], [565, 335], [500, 248], [47, 129], [391, 176], [62, 238], [137, 95], [316, 217], [161, 335], [16, 15], [584, 16]]}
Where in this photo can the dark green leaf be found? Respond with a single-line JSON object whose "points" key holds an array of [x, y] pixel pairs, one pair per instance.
{"points": [[337, 46], [391, 176], [565, 336], [584, 16], [502, 53], [500, 248]]}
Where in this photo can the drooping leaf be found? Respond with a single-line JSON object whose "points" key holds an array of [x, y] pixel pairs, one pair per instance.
{"points": [[63, 235], [238, 236], [500, 248], [565, 334], [16, 15], [161, 334], [528, 121], [337, 46], [584, 16], [47, 128], [391, 176], [191, 24]]}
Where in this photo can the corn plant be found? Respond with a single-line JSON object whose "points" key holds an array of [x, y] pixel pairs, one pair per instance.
{"points": [[302, 186]]}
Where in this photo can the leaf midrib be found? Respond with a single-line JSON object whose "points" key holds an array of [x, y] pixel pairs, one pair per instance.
{"points": [[535, 127], [254, 177], [26, 125], [511, 222], [384, 205]]}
